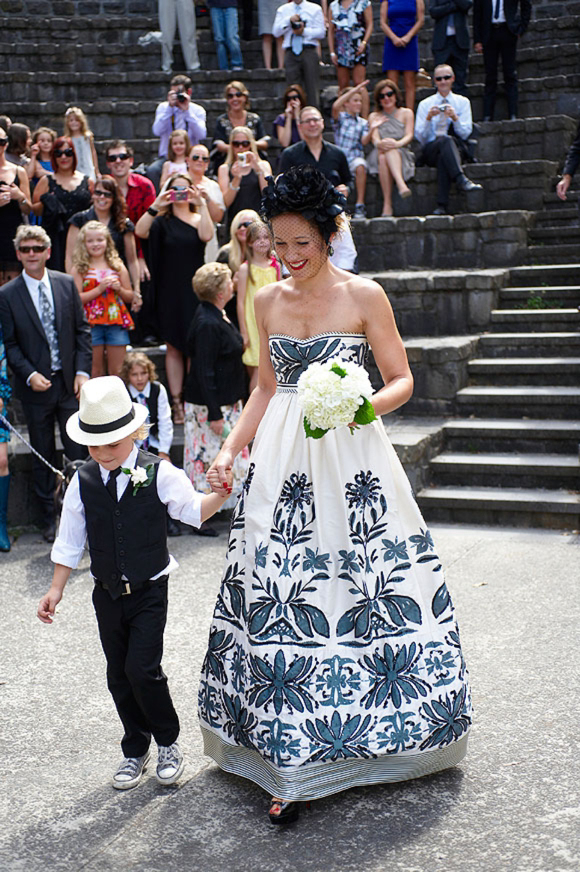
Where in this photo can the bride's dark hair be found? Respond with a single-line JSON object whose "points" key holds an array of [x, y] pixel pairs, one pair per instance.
{"points": [[305, 191]]}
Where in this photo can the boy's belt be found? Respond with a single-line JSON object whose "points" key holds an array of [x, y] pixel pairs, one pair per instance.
{"points": [[133, 586]]}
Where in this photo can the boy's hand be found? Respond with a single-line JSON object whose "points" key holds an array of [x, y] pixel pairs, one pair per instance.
{"points": [[47, 605]]}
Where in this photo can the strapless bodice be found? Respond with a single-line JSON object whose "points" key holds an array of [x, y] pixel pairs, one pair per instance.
{"points": [[291, 356]]}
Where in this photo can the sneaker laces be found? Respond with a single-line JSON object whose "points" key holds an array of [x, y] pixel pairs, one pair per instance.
{"points": [[168, 755], [130, 767]]}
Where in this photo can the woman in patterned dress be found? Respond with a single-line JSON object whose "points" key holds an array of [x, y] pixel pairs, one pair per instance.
{"points": [[334, 658]]}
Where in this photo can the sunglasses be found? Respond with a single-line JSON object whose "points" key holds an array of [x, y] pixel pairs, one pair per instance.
{"points": [[64, 152], [387, 94], [199, 157], [233, 94], [292, 97], [32, 249], [443, 78], [241, 143], [103, 194], [3, 142], [111, 158], [244, 224]]}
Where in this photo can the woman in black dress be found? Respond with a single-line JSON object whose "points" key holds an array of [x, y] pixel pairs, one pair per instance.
{"points": [[14, 203], [60, 196], [178, 226], [243, 175]]}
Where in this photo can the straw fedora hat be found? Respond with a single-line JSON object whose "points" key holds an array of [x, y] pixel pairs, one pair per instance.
{"points": [[106, 413]]}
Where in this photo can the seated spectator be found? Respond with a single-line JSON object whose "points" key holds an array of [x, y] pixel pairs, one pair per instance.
{"points": [[19, 142], [237, 115], [170, 13], [178, 148], [302, 31], [224, 22], [391, 132], [178, 112], [14, 204], [435, 115], [76, 127], [242, 177], [286, 123], [350, 28], [350, 134], [197, 163]]}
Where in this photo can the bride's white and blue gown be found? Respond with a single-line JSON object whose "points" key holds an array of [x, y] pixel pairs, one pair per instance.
{"points": [[334, 657]]}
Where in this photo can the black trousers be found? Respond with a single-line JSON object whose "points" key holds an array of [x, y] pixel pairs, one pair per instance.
{"points": [[457, 58], [443, 154], [502, 43], [304, 69], [131, 630], [57, 405]]}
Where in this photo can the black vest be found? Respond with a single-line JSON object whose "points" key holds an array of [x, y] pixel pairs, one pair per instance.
{"points": [[126, 538], [153, 405]]}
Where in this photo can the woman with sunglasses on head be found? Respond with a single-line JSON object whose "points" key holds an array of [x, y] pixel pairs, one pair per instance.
{"points": [[243, 175], [237, 115], [401, 21], [178, 225], [14, 203], [109, 207], [391, 129], [60, 196], [198, 163], [285, 125]]}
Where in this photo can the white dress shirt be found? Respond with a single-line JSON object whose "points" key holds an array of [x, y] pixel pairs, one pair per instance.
{"points": [[427, 131], [162, 441], [169, 118], [173, 488], [33, 286], [311, 15], [500, 17]]}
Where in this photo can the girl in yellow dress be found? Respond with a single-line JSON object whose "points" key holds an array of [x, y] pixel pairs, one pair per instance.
{"points": [[261, 268]]}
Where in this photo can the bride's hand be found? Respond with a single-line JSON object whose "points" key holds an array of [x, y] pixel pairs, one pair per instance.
{"points": [[219, 475]]}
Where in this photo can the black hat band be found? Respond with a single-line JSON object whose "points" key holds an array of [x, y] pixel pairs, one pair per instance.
{"points": [[108, 428]]}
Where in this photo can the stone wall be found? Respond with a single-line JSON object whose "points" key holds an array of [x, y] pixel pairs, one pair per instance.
{"points": [[69, 8]]}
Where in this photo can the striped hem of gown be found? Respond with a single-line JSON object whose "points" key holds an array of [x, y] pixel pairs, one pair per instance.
{"points": [[322, 779]]}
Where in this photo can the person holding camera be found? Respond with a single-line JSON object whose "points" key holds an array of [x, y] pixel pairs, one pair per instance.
{"points": [[178, 226], [435, 115], [301, 23], [242, 177], [178, 112]]}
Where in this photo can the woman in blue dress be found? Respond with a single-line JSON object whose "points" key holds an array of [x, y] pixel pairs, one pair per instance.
{"points": [[334, 658], [401, 21]]}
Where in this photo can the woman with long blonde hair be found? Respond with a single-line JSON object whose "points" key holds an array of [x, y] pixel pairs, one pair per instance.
{"points": [[243, 175]]}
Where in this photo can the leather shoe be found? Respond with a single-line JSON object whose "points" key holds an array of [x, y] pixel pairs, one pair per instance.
{"points": [[465, 184], [173, 527], [205, 530], [440, 210], [49, 532]]}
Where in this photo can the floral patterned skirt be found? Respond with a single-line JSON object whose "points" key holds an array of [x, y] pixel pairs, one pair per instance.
{"points": [[201, 446]]}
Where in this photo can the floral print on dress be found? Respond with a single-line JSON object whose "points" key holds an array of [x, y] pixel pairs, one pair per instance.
{"points": [[108, 307]]}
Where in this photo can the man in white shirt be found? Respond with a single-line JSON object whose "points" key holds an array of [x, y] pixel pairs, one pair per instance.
{"points": [[301, 23], [178, 112], [435, 115]]}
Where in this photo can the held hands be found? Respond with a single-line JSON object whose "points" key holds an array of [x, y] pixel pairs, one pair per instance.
{"points": [[219, 475], [47, 605]]}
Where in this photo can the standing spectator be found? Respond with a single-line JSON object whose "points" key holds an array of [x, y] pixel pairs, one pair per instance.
{"points": [[350, 28], [242, 177], [14, 203], [570, 167], [285, 124], [496, 30], [42, 142], [177, 225], [248, 18], [198, 163], [5, 394], [435, 114], [19, 142], [301, 23], [451, 37], [238, 114], [351, 134], [401, 21], [178, 112], [172, 12], [391, 131], [49, 355], [224, 22], [178, 148], [76, 127], [60, 196], [266, 15]]}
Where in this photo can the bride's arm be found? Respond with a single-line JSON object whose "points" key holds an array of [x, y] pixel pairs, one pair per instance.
{"points": [[388, 349], [254, 410]]}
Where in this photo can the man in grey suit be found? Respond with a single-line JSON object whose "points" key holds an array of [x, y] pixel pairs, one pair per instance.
{"points": [[48, 347], [450, 43]]}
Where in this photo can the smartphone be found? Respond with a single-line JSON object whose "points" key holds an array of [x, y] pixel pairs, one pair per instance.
{"points": [[178, 194], [243, 159]]}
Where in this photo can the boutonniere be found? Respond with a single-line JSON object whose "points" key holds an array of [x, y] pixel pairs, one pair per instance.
{"points": [[141, 476]]}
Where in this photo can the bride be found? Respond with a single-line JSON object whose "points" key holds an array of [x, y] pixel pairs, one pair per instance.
{"points": [[334, 657]]}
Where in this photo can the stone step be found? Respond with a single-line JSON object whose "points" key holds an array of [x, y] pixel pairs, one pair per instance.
{"points": [[506, 470], [525, 371], [525, 138], [545, 275], [552, 297], [535, 320], [512, 507], [551, 401], [553, 202], [548, 235], [565, 216], [498, 434], [530, 344], [552, 254]]}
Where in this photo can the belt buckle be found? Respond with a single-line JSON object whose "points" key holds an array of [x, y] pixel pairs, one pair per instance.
{"points": [[127, 589]]}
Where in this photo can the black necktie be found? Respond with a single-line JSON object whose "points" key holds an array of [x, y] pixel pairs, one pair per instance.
{"points": [[496, 13], [112, 482]]}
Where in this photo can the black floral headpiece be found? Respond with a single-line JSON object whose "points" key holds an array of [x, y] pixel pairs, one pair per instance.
{"points": [[305, 191]]}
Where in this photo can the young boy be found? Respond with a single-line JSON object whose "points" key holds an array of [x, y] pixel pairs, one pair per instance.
{"points": [[118, 501], [351, 132]]}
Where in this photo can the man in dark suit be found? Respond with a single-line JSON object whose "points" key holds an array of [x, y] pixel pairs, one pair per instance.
{"points": [[451, 38], [497, 26], [570, 167], [48, 346]]}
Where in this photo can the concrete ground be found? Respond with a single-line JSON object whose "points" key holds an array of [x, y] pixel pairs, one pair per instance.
{"points": [[512, 805]]}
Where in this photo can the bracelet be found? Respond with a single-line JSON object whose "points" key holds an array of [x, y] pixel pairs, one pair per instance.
{"points": [[332, 54], [152, 211], [233, 187]]}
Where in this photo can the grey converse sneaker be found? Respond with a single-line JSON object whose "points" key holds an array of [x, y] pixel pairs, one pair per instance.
{"points": [[170, 764], [130, 772], [360, 211]]}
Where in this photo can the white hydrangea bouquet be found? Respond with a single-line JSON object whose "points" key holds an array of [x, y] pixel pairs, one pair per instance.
{"points": [[334, 394]]}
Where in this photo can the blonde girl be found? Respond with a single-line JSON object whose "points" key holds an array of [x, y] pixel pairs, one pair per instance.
{"points": [[105, 290], [77, 128], [177, 152], [260, 268]]}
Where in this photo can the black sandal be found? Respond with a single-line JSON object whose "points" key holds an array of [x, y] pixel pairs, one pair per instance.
{"points": [[282, 812]]}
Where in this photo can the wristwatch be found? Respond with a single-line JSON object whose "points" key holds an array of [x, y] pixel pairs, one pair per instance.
{"points": [[152, 211]]}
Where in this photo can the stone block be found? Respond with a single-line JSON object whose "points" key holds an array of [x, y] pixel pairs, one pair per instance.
{"points": [[480, 304]]}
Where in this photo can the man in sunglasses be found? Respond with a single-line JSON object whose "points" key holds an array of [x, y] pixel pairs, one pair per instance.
{"points": [[435, 115], [450, 43], [48, 346]]}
